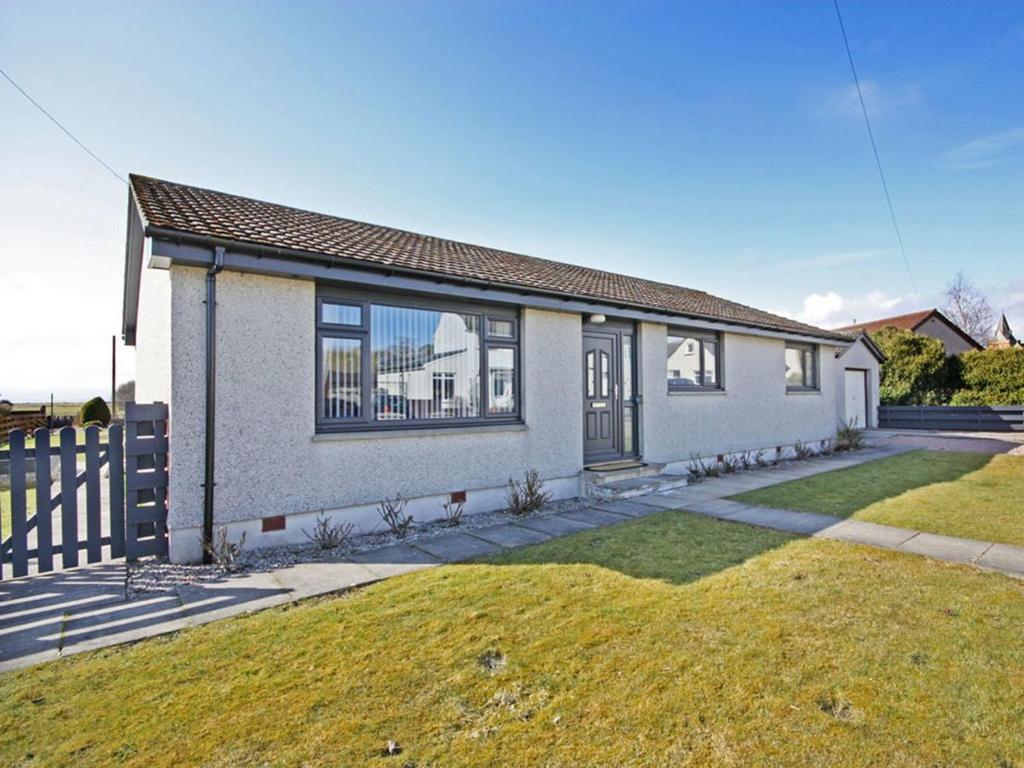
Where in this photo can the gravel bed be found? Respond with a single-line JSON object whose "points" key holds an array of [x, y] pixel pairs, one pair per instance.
{"points": [[150, 575]]}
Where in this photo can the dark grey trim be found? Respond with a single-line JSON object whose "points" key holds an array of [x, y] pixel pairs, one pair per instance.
{"points": [[191, 250], [211, 402], [365, 300], [134, 247]]}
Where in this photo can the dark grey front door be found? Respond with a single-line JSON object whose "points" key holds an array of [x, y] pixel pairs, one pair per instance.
{"points": [[601, 404]]}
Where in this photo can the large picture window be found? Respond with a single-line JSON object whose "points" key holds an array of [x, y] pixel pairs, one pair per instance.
{"points": [[801, 367], [387, 363], [693, 360]]}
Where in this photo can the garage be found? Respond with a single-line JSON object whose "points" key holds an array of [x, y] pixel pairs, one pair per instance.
{"points": [[861, 364], [856, 397]]}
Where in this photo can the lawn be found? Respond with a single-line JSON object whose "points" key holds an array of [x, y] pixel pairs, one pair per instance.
{"points": [[674, 640], [972, 495]]}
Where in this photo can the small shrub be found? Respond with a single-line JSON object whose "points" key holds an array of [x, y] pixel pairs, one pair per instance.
{"points": [[223, 553], [697, 469], [94, 410], [453, 512], [848, 437], [802, 450], [527, 495], [746, 460], [759, 460], [328, 535], [827, 448], [729, 465], [392, 512]]}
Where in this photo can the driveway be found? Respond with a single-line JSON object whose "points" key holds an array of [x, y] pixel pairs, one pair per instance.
{"points": [[934, 440]]}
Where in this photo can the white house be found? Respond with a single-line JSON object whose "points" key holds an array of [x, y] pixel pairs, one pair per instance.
{"points": [[313, 363]]}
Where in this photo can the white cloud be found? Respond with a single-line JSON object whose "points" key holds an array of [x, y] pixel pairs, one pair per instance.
{"points": [[879, 100], [995, 149], [831, 309]]}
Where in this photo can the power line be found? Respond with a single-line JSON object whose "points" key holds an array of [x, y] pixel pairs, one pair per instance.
{"points": [[56, 122], [874, 146]]}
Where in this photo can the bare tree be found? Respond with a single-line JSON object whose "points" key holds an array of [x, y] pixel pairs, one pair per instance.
{"points": [[967, 306]]}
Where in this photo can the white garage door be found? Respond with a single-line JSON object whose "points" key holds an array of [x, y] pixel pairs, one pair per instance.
{"points": [[856, 397]]}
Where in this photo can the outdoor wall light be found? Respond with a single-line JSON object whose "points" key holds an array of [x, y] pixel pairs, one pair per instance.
{"points": [[597, 319]]}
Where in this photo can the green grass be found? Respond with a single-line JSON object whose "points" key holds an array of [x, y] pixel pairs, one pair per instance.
{"points": [[675, 640], [972, 495]]}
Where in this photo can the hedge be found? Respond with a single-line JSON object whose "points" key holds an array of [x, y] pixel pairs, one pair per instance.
{"points": [[992, 377]]}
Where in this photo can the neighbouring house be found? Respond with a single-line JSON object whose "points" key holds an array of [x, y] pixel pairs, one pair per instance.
{"points": [[337, 363], [1004, 338], [927, 322]]}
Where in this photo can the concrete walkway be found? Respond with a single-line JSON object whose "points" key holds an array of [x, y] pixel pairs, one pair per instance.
{"points": [[53, 615]]}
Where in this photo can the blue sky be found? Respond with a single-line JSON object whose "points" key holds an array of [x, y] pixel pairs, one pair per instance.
{"points": [[717, 145]]}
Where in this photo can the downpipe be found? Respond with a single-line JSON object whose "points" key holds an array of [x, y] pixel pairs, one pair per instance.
{"points": [[211, 399]]}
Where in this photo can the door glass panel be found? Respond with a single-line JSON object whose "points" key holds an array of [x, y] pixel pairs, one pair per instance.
{"points": [[605, 373], [627, 430], [591, 375], [627, 368]]}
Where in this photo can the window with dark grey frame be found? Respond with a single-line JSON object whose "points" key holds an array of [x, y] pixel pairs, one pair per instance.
{"points": [[693, 360], [388, 362], [801, 367]]}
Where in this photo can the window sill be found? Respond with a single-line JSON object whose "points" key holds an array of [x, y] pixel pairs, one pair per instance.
{"points": [[450, 431], [803, 391], [695, 391]]}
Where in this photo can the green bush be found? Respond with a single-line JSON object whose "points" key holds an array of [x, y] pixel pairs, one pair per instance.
{"points": [[916, 370], [992, 377], [94, 410]]}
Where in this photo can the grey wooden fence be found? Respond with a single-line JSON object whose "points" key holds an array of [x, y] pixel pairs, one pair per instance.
{"points": [[965, 418], [126, 516], [41, 536]]}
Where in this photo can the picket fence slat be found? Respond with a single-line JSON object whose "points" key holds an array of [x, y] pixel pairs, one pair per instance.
{"points": [[115, 466], [93, 521], [44, 513], [68, 498], [19, 531]]}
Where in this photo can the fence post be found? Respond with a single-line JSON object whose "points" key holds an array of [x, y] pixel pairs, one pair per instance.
{"points": [[115, 463], [44, 516], [68, 498], [19, 527]]}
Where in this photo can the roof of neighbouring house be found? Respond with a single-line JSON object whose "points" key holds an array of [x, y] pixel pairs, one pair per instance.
{"points": [[171, 209], [908, 322]]}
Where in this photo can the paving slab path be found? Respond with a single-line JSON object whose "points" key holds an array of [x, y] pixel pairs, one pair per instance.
{"points": [[48, 616]]}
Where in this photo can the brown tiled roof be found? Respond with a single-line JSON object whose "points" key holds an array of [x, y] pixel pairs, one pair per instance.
{"points": [[205, 213], [907, 322]]}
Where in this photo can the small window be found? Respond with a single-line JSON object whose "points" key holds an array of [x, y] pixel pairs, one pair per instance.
{"points": [[501, 329], [801, 367], [340, 314], [693, 360]]}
